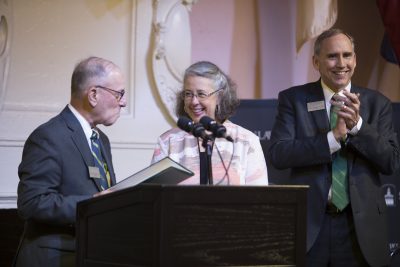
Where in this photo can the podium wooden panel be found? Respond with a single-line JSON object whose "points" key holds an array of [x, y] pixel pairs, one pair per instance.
{"points": [[159, 225]]}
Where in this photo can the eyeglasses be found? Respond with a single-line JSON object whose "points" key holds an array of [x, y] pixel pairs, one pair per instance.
{"points": [[120, 93], [188, 95]]}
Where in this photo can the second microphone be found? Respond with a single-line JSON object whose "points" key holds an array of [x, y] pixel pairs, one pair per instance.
{"points": [[218, 130]]}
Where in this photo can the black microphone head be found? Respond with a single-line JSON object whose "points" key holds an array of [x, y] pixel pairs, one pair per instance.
{"points": [[189, 126], [229, 138], [185, 124], [199, 131], [207, 122], [217, 129]]}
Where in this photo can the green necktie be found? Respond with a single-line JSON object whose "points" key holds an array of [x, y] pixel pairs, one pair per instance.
{"points": [[99, 161], [340, 196]]}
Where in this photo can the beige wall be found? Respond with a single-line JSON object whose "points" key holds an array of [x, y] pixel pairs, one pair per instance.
{"points": [[45, 39]]}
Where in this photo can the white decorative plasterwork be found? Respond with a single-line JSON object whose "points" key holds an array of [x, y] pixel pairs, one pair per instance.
{"points": [[171, 53], [8, 200], [5, 46]]}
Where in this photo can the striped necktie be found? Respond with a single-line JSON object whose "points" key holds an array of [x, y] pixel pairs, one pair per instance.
{"points": [[340, 196], [99, 161]]}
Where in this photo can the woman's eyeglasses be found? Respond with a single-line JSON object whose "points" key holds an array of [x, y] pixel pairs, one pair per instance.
{"points": [[188, 95]]}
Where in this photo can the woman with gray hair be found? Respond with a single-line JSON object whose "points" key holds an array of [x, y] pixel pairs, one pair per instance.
{"points": [[208, 91]]}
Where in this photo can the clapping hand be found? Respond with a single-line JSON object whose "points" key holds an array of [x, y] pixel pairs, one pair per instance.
{"points": [[348, 108]]}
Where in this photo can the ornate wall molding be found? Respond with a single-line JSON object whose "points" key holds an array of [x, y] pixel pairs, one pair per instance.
{"points": [[8, 200], [170, 57], [5, 45]]}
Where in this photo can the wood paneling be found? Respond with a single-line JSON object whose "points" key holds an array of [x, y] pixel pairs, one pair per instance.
{"points": [[11, 227]]}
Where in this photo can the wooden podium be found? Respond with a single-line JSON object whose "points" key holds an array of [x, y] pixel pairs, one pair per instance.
{"points": [[193, 226]]}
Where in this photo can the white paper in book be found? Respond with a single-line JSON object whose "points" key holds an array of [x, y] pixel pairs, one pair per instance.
{"points": [[165, 171]]}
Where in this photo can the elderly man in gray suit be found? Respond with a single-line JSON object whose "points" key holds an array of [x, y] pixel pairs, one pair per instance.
{"points": [[60, 164]]}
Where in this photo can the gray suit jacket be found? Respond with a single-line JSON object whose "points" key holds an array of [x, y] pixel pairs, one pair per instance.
{"points": [[298, 141], [54, 177]]}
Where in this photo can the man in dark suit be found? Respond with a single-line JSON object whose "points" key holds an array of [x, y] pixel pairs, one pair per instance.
{"points": [[347, 226], [58, 166]]}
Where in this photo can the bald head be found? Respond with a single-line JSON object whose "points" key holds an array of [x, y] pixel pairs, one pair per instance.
{"points": [[89, 72], [98, 90]]}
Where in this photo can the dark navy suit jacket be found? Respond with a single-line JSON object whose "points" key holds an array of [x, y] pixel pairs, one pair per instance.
{"points": [[299, 141], [54, 177]]}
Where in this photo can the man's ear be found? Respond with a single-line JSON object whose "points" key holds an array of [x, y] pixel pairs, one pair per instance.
{"points": [[315, 62], [355, 60], [92, 96]]}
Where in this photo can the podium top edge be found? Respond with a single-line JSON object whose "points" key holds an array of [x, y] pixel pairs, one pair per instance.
{"points": [[288, 186], [274, 186]]}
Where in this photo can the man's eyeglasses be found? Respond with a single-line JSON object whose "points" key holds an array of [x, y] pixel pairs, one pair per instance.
{"points": [[119, 95], [188, 95]]}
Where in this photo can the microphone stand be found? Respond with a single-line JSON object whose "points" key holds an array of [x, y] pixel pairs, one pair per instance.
{"points": [[207, 144]]}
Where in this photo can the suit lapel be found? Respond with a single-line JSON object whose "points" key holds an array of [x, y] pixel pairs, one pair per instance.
{"points": [[363, 108], [320, 116], [79, 139], [350, 155]]}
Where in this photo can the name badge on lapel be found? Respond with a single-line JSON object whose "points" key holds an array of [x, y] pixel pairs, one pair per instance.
{"points": [[317, 105], [94, 172]]}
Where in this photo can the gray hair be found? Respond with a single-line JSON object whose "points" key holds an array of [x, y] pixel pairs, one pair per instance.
{"points": [[227, 99], [327, 34], [88, 72]]}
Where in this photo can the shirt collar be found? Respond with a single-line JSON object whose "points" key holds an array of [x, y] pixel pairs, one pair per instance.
{"points": [[328, 93], [83, 122]]}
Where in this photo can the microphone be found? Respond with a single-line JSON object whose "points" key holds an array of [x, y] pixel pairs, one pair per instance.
{"points": [[185, 124], [218, 130], [196, 129]]}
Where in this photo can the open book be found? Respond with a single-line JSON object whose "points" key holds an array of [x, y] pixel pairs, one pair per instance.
{"points": [[165, 171]]}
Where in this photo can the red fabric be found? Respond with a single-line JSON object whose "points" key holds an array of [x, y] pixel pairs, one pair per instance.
{"points": [[390, 12]]}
